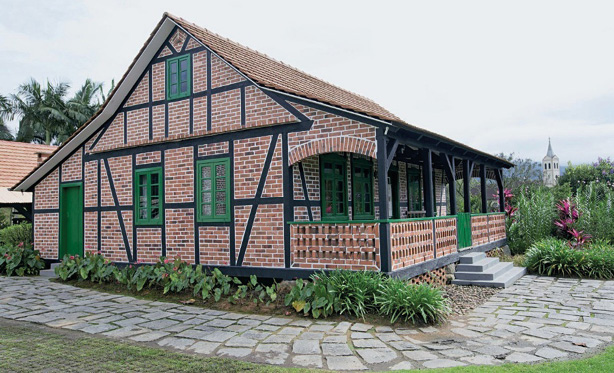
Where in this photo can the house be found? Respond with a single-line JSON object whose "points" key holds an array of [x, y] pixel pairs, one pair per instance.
{"points": [[215, 153], [17, 159]]}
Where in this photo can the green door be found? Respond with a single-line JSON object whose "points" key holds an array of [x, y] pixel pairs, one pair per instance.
{"points": [[71, 219], [463, 228]]}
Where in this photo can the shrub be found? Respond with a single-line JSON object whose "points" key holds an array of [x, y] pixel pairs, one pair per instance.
{"points": [[416, 303], [596, 204], [20, 260], [13, 235], [360, 293], [553, 257]]}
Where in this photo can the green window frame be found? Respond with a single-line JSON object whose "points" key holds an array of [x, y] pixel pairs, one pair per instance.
{"points": [[414, 189], [213, 190], [333, 187], [148, 196], [178, 77], [362, 189]]}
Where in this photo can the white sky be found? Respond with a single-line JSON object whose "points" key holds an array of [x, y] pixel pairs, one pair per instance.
{"points": [[499, 76]]}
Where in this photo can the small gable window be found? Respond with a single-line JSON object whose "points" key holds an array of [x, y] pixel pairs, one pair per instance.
{"points": [[178, 77]]}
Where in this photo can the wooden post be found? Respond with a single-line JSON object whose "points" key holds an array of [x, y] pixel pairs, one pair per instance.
{"points": [[448, 162], [427, 181], [499, 178], [382, 179], [467, 184], [483, 188]]}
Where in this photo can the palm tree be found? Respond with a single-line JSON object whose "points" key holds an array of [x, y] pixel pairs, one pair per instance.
{"points": [[41, 111], [5, 133], [81, 108]]}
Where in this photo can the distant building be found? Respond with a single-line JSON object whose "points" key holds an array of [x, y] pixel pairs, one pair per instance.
{"points": [[550, 167]]}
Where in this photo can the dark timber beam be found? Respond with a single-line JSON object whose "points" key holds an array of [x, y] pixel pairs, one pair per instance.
{"points": [[483, 188], [467, 168], [499, 179], [427, 181], [391, 149], [382, 179], [448, 163]]}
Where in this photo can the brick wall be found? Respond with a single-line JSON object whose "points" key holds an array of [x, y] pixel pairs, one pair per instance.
{"points": [[90, 231], [178, 39], [158, 81], [91, 184], [111, 239], [479, 229], [113, 136], [261, 110], [199, 114], [411, 243], [199, 71], [266, 242], [226, 111], [71, 168], [46, 234], [149, 244], [250, 155], [206, 150], [222, 74], [47, 192], [180, 234], [179, 175], [214, 244], [273, 186], [179, 118], [148, 157], [141, 93], [121, 172], [137, 126]]}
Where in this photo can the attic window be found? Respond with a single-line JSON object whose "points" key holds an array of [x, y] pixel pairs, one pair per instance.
{"points": [[178, 77]]}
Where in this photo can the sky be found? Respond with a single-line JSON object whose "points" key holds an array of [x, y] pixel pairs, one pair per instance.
{"points": [[498, 76]]}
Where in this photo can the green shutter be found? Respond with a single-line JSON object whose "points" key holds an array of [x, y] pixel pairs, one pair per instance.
{"points": [[463, 228], [333, 187], [178, 77], [213, 190], [148, 196], [362, 189]]}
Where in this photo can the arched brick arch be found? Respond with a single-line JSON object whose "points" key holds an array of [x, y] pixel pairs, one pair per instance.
{"points": [[331, 145]]}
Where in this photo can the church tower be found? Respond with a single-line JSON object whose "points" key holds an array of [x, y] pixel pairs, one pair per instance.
{"points": [[550, 167]]}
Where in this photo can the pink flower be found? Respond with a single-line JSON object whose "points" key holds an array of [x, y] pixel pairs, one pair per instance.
{"points": [[166, 261], [72, 257], [174, 269], [20, 244], [130, 265]]}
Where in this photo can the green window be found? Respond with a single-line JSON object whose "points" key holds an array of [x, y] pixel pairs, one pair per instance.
{"points": [[148, 196], [333, 190], [414, 189], [178, 77], [362, 189], [213, 196]]}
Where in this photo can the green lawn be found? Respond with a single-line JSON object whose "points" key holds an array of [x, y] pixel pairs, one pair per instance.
{"points": [[28, 347]]}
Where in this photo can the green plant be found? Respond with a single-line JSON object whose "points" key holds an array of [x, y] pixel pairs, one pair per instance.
{"points": [[354, 290], [416, 303], [553, 257], [13, 235], [533, 219], [313, 298], [20, 260]]}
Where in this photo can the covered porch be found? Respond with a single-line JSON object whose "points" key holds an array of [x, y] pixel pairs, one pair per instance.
{"points": [[344, 219]]}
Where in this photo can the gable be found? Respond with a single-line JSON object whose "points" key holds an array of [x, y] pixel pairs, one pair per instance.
{"points": [[220, 100]]}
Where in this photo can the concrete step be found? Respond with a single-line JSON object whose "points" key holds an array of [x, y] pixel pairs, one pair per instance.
{"points": [[472, 258], [480, 266], [488, 274], [502, 281]]}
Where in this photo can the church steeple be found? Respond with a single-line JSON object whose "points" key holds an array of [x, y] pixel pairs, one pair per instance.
{"points": [[550, 152]]}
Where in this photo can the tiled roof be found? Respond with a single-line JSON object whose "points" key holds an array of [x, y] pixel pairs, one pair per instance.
{"points": [[17, 159], [271, 73]]}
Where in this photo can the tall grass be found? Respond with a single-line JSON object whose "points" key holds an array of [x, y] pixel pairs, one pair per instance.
{"points": [[533, 220], [596, 204]]}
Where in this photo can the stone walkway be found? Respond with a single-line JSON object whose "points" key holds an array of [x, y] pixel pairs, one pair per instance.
{"points": [[538, 319]]}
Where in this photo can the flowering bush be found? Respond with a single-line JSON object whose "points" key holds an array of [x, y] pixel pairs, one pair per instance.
{"points": [[21, 260]]}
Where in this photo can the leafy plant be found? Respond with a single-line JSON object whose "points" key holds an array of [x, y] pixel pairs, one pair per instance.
{"points": [[313, 298], [20, 260], [533, 219], [355, 290], [416, 303]]}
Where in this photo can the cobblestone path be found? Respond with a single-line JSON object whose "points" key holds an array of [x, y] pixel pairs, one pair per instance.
{"points": [[537, 319]]}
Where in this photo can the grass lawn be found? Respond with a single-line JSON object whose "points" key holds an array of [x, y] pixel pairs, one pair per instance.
{"points": [[26, 347]]}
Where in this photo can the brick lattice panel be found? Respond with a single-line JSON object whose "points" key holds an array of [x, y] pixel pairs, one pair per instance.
{"points": [[446, 239], [479, 229], [496, 227], [336, 246], [411, 243]]}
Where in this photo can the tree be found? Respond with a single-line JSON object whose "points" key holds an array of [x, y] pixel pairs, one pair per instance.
{"points": [[526, 172], [5, 133], [580, 175], [46, 116]]}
